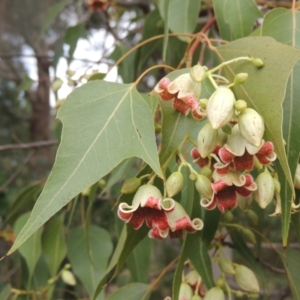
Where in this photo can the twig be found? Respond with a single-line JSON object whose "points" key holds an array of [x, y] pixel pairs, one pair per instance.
{"points": [[18, 171], [32, 145]]}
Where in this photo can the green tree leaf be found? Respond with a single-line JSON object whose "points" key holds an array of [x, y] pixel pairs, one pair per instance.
{"points": [[282, 24], [236, 17], [54, 245], [275, 73], [32, 248], [291, 263], [89, 272], [5, 292], [103, 124], [139, 259], [132, 291], [185, 11]]}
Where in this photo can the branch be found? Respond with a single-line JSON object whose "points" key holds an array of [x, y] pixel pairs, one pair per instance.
{"points": [[18, 171], [33, 145]]}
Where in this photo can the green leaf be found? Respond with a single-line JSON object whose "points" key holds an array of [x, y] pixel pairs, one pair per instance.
{"points": [[164, 11], [138, 261], [152, 102], [32, 248], [25, 84], [5, 292], [89, 272], [97, 76], [132, 291], [282, 24], [53, 12], [103, 124], [291, 263], [211, 223], [54, 245], [185, 11], [278, 65]]}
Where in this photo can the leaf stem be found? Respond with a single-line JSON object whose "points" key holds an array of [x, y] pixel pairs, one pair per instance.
{"points": [[150, 69]]}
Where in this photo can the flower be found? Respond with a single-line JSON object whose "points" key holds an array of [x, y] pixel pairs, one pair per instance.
{"points": [[240, 153], [147, 205], [225, 190], [163, 216], [183, 90]]}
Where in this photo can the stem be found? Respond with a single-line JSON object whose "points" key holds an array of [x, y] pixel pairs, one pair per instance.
{"points": [[150, 69], [157, 37], [247, 58], [210, 78], [227, 287], [220, 77]]}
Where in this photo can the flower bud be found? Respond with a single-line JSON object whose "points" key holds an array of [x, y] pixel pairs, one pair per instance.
{"points": [[297, 178], [192, 278], [240, 105], [131, 185], [206, 171], [220, 107], [249, 236], [56, 84], [185, 292], [239, 294], [214, 293], [244, 202], [198, 73], [207, 140], [220, 282], [265, 189], [174, 184], [240, 78], [228, 216], [257, 62], [68, 277], [86, 192], [193, 176], [203, 186], [252, 217], [251, 126], [203, 103], [70, 72], [226, 266], [246, 279]]}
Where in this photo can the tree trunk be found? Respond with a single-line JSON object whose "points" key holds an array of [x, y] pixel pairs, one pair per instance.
{"points": [[40, 118]]}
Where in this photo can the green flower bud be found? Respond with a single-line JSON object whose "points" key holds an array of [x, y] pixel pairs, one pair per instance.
{"points": [[220, 107], [185, 292], [206, 171], [203, 186], [214, 293], [68, 277], [244, 202], [251, 126], [239, 294], [207, 140], [257, 62], [249, 236], [192, 278], [86, 192], [56, 84], [131, 185], [265, 189], [228, 216], [70, 72], [193, 176], [196, 297], [246, 279], [252, 217], [240, 78], [174, 183], [240, 105], [226, 266], [198, 73], [220, 282], [297, 178], [203, 103]]}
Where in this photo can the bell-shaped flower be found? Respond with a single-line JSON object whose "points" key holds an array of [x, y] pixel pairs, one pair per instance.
{"points": [[252, 126], [178, 221], [207, 140], [240, 153], [147, 205], [220, 107], [225, 189]]}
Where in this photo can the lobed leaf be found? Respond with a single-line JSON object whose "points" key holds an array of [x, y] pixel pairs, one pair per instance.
{"points": [[104, 123], [283, 25]]}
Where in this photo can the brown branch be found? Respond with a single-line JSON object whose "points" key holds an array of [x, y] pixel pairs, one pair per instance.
{"points": [[33, 145], [18, 171], [273, 4]]}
